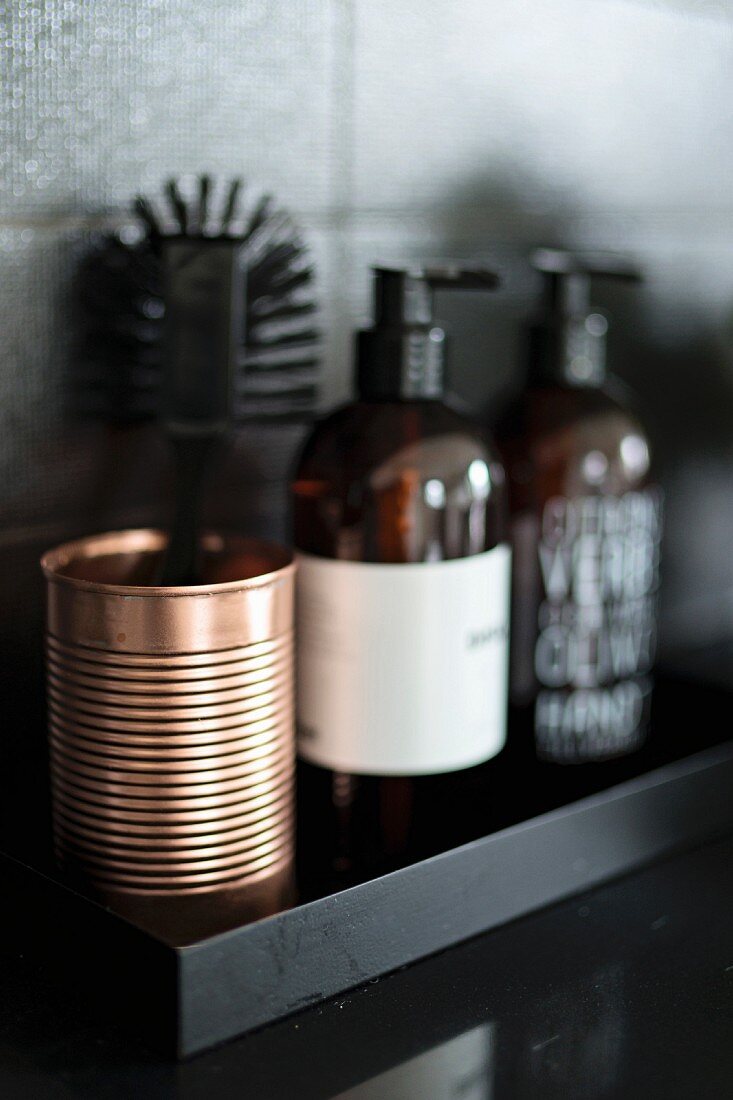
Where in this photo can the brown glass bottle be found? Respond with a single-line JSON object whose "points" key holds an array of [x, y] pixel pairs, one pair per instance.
{"points": [[585, 518], [398, 478]]}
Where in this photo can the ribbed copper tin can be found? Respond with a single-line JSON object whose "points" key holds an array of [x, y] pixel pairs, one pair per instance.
{"points": [[171, 730]]}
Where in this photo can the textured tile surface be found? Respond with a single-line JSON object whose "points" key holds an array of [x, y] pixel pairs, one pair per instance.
{"points": [[104, 99]]}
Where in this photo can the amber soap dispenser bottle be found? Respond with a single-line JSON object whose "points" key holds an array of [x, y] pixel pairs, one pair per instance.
{"points": [[403, 598], [585, 517]]}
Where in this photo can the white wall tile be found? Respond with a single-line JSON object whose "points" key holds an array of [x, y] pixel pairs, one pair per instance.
{"points": [[571, 105]]}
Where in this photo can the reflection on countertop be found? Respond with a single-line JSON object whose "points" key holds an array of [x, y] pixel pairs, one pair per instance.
{"points": [[459, 1069]]}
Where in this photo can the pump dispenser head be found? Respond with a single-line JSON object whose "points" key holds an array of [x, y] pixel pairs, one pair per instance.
{"points": [[569, 342], [403, 355]]}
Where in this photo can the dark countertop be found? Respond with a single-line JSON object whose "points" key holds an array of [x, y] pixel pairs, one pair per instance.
{"points": [[626, 991]]}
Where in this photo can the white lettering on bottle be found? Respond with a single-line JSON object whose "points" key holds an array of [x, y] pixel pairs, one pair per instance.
{"points": [[598, 559]]}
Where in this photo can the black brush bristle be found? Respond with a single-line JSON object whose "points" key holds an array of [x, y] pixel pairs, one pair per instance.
{"points": [[203, 207], [119, 368]]}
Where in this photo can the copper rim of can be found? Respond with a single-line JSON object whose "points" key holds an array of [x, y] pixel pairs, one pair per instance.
{"points": [[186, 659], [212, 836], [218, 734], [211, 675], [244, 717], [72, 727], [146, 694], [170, 803], [152, 772], [269, 870], [90, 757], [165, 822], [212, 683], [206, 871], [159, 771], [185, 813], [170, 748], [165, 781], [202, 692], [174, 796], [207, 725], [174, 882], [101, 818], [159, 758], [196, 796], [185, 871], [213, 850], [159, 882], [262, 703], [138, 743], [170, 793], [119, 855], [182, 869], [171, 828], [208, 680], [163, 714], [171, 662], [280, 832], [193, 871]]}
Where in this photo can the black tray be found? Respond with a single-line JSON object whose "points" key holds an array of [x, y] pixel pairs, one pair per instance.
{"points": [[192, 998]]}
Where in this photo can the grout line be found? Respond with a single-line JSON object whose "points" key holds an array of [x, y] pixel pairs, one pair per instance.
{"points": [[114, 219], [719, 13], [340, 217], [342, 115], [345, 214]]}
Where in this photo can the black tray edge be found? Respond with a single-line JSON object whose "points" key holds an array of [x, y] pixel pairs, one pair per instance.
{"points": [[254, 975], [193, 998]]}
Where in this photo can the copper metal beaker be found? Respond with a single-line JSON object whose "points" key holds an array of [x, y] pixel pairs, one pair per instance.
{"points": [[171, 730]]}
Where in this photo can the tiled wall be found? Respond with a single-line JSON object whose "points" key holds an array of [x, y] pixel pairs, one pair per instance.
{"points": [[393, 130]]}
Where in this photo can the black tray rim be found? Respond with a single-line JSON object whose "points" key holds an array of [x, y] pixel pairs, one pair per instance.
{"points": [[192, 998]]}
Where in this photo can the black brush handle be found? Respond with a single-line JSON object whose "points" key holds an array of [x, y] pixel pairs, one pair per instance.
{"points": [[182, 563], [204, 323]]}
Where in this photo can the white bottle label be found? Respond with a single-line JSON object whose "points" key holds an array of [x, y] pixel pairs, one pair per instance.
{"points": [[402, 669]]}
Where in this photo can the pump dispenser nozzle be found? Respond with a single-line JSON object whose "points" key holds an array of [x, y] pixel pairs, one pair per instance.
{"points": [[402, 356], [570, 340]]}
